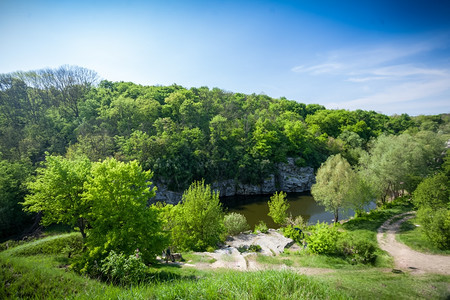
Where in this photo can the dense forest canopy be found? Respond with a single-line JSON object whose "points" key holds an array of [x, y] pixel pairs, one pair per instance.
{"points": [[180, 134]]}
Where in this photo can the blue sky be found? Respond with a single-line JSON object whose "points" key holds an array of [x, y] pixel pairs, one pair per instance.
{"points": [[388, 56]]}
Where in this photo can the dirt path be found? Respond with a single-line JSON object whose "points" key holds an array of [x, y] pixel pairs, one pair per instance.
{"points": [[404, 257]]}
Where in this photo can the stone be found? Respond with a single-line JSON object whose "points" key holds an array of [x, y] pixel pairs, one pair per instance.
{"points": [[289, 178]]}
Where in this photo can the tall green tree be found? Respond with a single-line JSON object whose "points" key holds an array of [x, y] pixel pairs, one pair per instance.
{"points": [[56, 191], [120, 219], [397, 163], [278, 207], [335, 180], [199, 219], [12, 192]]}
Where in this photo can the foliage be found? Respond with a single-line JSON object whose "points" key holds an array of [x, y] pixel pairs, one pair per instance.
{"points": [[432, 198], [56, 191], [414, 237], [12, 192], [118, 268], [278, 206], [235, 223], [436, 225], [293, 232], [261, 227], [323, 239], [357, 249], [398, 163], [117, 194], [298, 221], [199, 219], [334, 185]]}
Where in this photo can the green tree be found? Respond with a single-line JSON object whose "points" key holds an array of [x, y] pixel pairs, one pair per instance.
{"points": [[397, 163], [278, 207], [12, 192], [335, 180], [199, 219], [117, 194], [56, 192]]}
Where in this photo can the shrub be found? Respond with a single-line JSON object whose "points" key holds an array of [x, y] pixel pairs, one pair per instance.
{"points": [[261, 227], [118, 268], [436, 226], [323, 239], [298, 221], [235, 223], [254, 248], [278, 206], [198, 219], [293, 232], [357, 249]]}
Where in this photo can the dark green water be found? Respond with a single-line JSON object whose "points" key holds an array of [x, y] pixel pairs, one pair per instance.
{"points": [[255, 208]]}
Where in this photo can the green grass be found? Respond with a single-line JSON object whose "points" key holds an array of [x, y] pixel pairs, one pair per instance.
{"points": [[413, 236], [384, 284], [42, 277], [193, 258], [38, 270]]}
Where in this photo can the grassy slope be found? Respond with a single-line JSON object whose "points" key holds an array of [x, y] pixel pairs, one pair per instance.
{"points": [[27, 274], [412, 236]]}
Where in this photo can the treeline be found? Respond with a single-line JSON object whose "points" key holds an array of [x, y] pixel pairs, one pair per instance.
{"points": [[180, 134]]}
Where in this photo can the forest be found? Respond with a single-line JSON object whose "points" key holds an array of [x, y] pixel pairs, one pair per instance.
{"points": [[181, 135]]}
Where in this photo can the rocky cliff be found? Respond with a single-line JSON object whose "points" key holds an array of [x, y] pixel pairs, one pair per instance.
{"points": [[288, 178]]}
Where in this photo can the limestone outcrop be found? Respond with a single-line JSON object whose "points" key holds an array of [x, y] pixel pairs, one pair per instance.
{"points": [[289, 178]]}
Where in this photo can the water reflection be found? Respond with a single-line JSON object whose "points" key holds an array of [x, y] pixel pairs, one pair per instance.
{"points": [[255, 208]]}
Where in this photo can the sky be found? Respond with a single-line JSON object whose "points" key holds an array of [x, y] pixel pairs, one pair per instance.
{"points": [[390, 56]]}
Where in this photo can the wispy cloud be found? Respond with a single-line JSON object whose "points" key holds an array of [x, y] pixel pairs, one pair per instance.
{"points": [[318, 69], [385, 76]]}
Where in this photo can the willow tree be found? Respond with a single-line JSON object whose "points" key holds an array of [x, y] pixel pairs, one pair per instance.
{"points": [[335, 180]]}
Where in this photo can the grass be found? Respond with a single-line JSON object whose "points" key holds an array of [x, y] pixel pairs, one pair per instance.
{"points": [[413, 236], [38, 270], [198, 258], [384, 284], [41, 276]]}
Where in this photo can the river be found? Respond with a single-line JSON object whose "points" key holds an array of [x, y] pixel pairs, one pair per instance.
{"points": [[255, 209]]}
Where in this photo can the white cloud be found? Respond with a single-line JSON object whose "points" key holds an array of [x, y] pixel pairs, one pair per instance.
{"points": [[402, 94], [318, 69], [385, 77]]}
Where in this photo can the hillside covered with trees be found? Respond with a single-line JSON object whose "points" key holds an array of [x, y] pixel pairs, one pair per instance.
{"points": [[180, 134]]}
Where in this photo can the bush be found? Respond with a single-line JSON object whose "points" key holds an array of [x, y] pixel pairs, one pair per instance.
{"points": [[254, 248], [357, 249], [293, 232], [118, 268], [235, 223], [323, 239], [278, 206], [198, 219], [436, 226], [261, 227]]}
